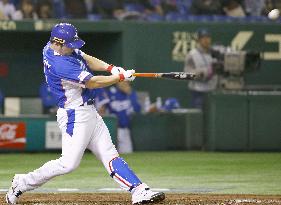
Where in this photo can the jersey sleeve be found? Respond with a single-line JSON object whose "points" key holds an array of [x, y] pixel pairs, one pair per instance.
{"points": [[73, 71]]}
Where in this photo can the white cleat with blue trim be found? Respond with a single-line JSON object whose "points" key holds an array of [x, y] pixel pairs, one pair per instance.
{"points": [[14, 191], [143, 195]]}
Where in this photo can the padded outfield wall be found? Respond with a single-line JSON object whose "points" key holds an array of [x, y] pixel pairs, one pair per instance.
{"points": [[140, 45]]}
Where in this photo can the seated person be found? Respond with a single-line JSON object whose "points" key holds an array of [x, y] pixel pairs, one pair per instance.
{"points": [[123, 102], [100, 100]]}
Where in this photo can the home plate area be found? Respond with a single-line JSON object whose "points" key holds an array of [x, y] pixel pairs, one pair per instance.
{"points": [[125, 199]]}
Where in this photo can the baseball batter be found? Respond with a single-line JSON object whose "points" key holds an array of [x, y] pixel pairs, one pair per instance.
{"points": [[68, 73]]}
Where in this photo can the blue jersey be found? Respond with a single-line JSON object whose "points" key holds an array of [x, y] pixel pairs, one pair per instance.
{"points": [[46, 95], [122, 105], [100, 97], [66, 77]]}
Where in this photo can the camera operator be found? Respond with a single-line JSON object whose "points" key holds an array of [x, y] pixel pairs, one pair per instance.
{"points": [[199, 60]]}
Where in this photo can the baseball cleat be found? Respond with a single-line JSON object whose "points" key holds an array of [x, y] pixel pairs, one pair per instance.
{"points": [[14, 191], [143, 195]]}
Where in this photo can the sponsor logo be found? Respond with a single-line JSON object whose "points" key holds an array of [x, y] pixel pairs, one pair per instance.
{"points": [[43, 26], [53, 135], [12, 135], [183, 42], [8, 25]]}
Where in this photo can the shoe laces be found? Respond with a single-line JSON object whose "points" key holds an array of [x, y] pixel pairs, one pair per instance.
{"points": [[146, 191], [16, 191]]}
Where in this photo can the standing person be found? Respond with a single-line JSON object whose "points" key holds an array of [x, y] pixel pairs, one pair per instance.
{"points": [[199, 60], [67, 71], [122, 103]]}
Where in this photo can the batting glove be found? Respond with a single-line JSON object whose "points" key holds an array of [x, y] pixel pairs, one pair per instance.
{"points": [[115, 70], [127, 75], [79, 52]]}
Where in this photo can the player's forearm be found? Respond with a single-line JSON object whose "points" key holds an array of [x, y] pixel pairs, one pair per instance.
{"points": [[95, 64], [102, 81]]}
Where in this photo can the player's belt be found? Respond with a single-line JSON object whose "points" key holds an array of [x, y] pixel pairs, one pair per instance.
{"points": [[89, 102]]}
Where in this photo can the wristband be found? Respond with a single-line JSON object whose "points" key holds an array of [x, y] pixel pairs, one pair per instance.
{"points": [[109, 68], [122, 77]]}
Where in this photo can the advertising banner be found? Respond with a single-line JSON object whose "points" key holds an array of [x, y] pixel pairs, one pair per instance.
{"points": [[53, 135], [12, 135]]}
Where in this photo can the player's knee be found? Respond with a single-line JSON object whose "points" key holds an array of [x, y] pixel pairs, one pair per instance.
{"points": [[69, 167]]}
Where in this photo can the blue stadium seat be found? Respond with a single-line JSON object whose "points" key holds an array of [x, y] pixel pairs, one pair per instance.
{"points": [[154, 17], [133, 7], [198, 18], [94, 17], [219, 18], [256, 19], [174, 16]]}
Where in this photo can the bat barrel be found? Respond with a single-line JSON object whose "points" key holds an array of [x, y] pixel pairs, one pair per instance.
{"points": [[171, 75]]}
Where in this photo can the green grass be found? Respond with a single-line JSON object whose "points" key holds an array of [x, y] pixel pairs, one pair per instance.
{"points": [[224, 173]]}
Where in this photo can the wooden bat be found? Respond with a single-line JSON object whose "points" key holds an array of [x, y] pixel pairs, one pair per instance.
{"points": [[171, 75]]}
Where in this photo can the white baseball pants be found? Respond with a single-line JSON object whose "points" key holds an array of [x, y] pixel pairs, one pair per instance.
{"points": [[88, 131]]}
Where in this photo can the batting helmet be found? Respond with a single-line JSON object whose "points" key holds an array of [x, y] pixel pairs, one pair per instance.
{"points": [[170, 104], [66, 34]]}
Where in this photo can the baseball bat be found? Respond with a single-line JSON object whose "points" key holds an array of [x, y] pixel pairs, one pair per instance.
{"points": [[171, 75]]}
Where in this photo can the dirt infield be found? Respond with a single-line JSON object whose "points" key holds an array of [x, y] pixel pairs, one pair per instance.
{"points": [[124, 199]]}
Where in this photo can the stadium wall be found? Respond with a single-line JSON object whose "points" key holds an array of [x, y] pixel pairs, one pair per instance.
{"points": [[232, 121], [161, 47], [143, 46], [243, 121], [37, 133]]}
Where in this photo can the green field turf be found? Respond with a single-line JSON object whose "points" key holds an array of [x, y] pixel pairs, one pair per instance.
{"points": [[191, 172]]}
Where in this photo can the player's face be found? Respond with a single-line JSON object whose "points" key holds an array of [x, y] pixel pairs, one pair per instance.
{"points": [[205, 42], [66, 51]]}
